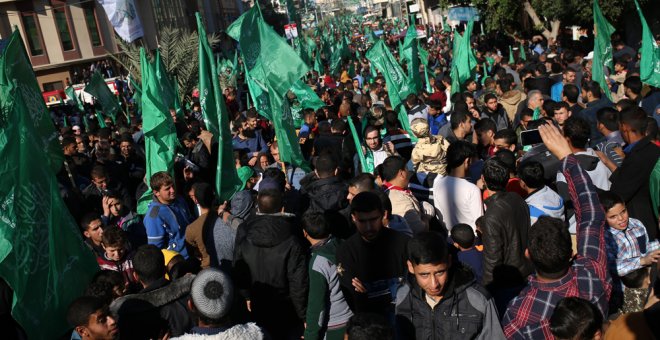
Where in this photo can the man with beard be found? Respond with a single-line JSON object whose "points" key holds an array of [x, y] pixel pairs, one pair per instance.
{"points": [[248, 139]]}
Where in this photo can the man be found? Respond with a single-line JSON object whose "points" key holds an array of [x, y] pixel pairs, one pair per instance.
{"points": [[368, 287], [505, 140], [396, 178], [415, 108], [92, 230], [376, 150], [509, 98], [485, 130], [631, 179], [91, 319], [360, 183], [570, 95], [456, 198], [292, 174], [197, 154], [132, 162], [211, 299], [568, 77], [542, 200], [459, 127], [426, 306], [576, 132], [202, 196], [608, 125], [560, 112], [327, 310], [557, 274], [591, 94], [100, 186], [159, 302], [534, 100], [504, 229], [269, 267], [248, 139], [167, 216], [495, 112]]}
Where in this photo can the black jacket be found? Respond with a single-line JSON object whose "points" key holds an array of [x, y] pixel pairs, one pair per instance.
{"points": [[270, 269], [466, 310], [631, 182], [162, 302], [505, 227], [329, 196]]}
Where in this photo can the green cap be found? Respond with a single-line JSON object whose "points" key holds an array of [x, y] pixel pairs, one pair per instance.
{"points": [[244, 173]]}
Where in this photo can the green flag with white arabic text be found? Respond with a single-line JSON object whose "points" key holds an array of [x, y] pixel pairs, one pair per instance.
{"points": [[99, 89], [602, 49], [649, 65], [42, 255]]}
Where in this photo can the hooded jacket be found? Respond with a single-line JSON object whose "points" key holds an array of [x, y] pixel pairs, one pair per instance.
{"points": [[466, 310], [510, 101], [329, 196], [270, 268], [545, 202]]}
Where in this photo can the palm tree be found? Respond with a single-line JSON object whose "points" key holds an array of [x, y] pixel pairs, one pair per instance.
{"points": [[178, 50]]}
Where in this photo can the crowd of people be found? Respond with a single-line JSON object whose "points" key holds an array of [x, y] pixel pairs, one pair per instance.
{"points": [[522, 206]]}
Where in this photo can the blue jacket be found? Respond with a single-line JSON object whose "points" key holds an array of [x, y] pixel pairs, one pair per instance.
{"points": [[251, 145], [166, 225]]}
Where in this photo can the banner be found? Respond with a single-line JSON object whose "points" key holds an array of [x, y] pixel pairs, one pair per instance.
{"points": [[124, 18]]}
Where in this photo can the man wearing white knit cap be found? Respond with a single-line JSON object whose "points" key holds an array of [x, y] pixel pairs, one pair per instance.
{"points": [[211, 298]]}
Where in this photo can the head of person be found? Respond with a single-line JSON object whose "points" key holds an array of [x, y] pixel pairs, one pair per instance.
{"points": [[607, 120], [395, 171], [548, 108], [100, 177], [103, 150], [531, 176], [202, 194], [591, 91], [107, 285], [90, 317], [576, 319], [570, 93], [92, 227], [211, 298], [315, 225], [549, 247], [367, 326], [372, 137], [69, 146], [252, 116], [81, 146], [639, 278], [560, 113], [189, 140], [534, 99], [149, 264], [338, 126], [420, 128], [273, 178], [274, 150], [625, 104], [577, 132], [126, 145], [632, 124], [325, 165], [486, 130], [459, 155], [435, 107], [508, 158], [429, 261], [463, 236], [495, 174], [633, 87], [242, 126], [616, 213], [162, 186], [115, 243], [505, 139], [491, 102], [461, 121], [652, 129], [470, 85], [568, 75], [270, 201], [468, 97], [526, 116], [367, 214], [360, 183]]}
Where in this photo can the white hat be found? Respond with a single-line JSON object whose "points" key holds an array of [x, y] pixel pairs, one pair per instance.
{"points": [[589, 56]]}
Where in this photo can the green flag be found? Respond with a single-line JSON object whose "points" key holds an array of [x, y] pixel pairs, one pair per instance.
{"points": [[445, 26], [398, 86], [411, 56], [100, 119], [602, 49], [649, 65], [99, 89], [424, 56], [523, 56], [167, 86], [42, 256], [227, 182], [259, 96], [358, 145], [71, 93], [463, 60], [306, 96], [511, 59], [318, 65], [160, 141], [429, 89], [273, 64], [137, 92]]}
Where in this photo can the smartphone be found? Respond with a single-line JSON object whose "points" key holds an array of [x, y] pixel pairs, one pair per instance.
{"points": [[530, 137]]}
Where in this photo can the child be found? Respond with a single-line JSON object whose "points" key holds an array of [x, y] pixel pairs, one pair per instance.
{"points": [[637, 285], [463, 239], [429, 154], [628, 246], [116, 256]]}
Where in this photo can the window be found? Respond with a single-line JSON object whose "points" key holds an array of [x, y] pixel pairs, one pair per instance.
{"points": [[33, 35], [90, 20], [53, 86], [63, 29]]}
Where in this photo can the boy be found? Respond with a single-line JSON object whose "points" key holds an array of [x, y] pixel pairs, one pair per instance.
{"points": [[115, 257], [463, 238], [91, 319], [327, 310], [429, 154], [91, 227], [628, 245]]}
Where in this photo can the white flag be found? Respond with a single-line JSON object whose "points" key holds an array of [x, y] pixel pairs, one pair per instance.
{"points": [[124, 18]]}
